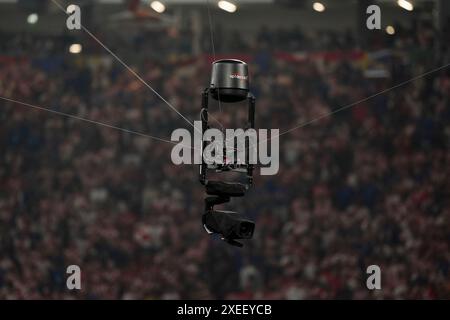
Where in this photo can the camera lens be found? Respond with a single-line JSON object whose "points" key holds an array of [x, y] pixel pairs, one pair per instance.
{"points": [[246, 229]]}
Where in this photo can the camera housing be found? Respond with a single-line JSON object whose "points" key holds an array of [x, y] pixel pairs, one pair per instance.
{"points": [[229, 80], [229, 224], [227, 189]]}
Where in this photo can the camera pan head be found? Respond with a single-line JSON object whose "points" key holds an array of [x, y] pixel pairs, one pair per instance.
{"points": [[229, 80]]}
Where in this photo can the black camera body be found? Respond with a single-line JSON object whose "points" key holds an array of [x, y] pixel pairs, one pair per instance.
{"points": [[229, 224]]}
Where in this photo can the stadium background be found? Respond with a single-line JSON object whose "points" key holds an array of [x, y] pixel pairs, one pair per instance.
{"points": [[367, 185]]}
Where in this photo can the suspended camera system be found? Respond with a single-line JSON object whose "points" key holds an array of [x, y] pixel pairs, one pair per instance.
{"points": [[229, 83]]}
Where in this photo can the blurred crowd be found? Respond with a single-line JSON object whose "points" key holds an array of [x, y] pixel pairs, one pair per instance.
{"points": [[368, 185]]}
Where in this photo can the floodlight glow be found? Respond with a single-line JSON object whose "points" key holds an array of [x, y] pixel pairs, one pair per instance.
{"points": [[405, 5], [390, 30], [75, 48], [158, 6], [227, 6], [319, 7], [33, 18]]}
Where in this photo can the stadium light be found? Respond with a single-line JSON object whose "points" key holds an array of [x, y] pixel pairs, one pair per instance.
{"points": [[405, 4], [75, 48], [318, 6], [390, 30], [227, 6], [33, 18], [158, 6]]}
